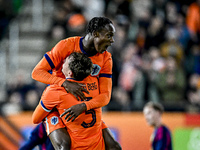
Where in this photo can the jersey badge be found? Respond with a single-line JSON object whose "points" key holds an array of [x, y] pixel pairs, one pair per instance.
{"points": [[54, 120], [96, 70]]}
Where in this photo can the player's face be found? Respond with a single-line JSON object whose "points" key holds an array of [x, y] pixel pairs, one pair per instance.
{"points": [[151, 115], [104, 38], [65, 67]]}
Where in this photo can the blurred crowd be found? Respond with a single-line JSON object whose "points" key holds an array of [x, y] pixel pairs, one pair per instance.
{"points": [[8, 10], [156, 54]]}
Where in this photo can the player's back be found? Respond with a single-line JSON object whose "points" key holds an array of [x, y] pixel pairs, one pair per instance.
{"points": [[86, 130]]}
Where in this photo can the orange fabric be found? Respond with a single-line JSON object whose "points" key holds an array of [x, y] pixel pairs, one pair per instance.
{"points": [[58, 54], [86, 131], [104, 125], [40, 73], [54, 116], [193, 18]]}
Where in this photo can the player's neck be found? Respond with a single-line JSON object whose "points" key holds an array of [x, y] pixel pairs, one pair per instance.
{"points": [[88, 44], [158, 123]]}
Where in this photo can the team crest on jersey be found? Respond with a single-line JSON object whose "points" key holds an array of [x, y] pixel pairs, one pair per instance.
{"points": [[96, 70], [54, 120]]}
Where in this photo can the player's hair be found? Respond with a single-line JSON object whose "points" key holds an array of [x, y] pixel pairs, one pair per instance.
{"points": [[97, 24], [80, 65], [156, 106]]}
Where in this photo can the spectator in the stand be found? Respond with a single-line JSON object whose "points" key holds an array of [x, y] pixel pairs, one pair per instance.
{"points": [[171, 84], [153, 64], [120, 100], [141, 12], [192, 61], [183, 32], [154, 33], [140, 40], [118, 8], [172, 47], [193, 93], [158, 8], [22, 95], [91, 8], [31, 100], [76, 25], [120, 42], [13, 105], [130, 77], [7, 12], [171, 14], [193, 20]]}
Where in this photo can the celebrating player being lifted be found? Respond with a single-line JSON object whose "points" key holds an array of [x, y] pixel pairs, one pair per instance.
{"points": [[86, 131], [99, 36]]}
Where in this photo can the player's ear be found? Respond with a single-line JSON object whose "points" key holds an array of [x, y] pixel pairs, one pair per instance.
{"points": [[70, 73]]}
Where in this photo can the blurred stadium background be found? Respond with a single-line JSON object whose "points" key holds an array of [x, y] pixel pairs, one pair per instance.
{"points": [[156, 57]]}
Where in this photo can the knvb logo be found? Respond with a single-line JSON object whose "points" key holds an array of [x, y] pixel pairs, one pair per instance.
{"points": [[96, 70], [54, 120]]}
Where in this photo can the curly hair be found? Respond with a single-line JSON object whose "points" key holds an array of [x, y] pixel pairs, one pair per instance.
{"points": [[80, 65], [97, 24]]}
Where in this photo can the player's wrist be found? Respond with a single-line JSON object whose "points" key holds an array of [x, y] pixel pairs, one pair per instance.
{"points": [[64, 83], [83, 105]]}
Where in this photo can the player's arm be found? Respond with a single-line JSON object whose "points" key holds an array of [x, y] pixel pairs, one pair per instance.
{"points": [[40, 113], [49, 100], [53, 59], [105, 86], [41, 73]]}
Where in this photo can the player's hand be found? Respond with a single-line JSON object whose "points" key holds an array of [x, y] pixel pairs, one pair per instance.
{"points": [[75, 89], [74, 111]]}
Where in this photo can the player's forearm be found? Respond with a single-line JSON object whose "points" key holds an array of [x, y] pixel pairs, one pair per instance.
{"points": [[47, 78], [41, 74], [99, 101], [105, 86]]}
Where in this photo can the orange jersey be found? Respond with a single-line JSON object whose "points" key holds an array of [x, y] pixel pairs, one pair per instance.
{"points": [[53, 60], [86, 130]]}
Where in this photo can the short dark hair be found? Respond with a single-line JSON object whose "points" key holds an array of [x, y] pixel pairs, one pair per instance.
{"points": [[80, 65], [156, 106], [97, 24]]}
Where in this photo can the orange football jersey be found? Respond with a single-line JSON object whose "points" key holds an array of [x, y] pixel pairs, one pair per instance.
{"points": [[54, 59], [86, 130]]}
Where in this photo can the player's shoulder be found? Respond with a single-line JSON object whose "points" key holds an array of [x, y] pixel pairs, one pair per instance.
{"points": [[72, 39], [105, 55]]}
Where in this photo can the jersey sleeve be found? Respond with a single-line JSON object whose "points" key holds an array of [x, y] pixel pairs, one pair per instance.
{"points": [[53, 60], [41, 73], [105, 86], [49, 100]]}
